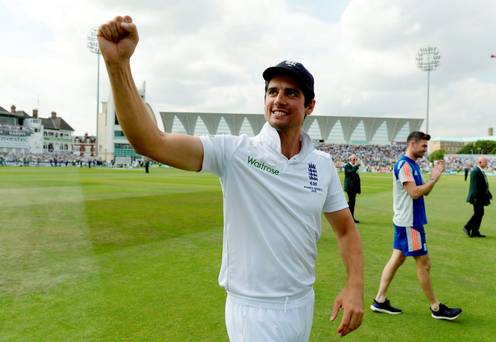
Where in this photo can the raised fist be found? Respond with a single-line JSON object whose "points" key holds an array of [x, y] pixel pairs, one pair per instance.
{"points": [[118, 39]]}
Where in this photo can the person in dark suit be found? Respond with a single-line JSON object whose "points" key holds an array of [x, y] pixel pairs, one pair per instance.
{"points": [[352, 183], [479, 196]]}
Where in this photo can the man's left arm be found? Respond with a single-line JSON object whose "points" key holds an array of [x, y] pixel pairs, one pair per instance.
{"points": [[351, 297], [487, 189], [478, 186], [483, 188]]}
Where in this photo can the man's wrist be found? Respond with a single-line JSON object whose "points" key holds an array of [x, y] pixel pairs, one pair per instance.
{"points": [[355, 281], [118, 66]]}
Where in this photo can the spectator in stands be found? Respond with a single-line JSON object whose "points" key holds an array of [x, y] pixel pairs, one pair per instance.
{"points": [[374, 158]]}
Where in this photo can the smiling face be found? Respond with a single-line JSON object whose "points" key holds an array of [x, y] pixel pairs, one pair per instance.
{"points": [[418, 148], [285, 104]]}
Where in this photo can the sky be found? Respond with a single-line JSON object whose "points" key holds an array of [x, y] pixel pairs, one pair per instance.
{"points": [[209, 55]]}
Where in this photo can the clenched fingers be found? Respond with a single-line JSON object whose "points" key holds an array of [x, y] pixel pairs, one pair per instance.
{"points": [[118, 28]]}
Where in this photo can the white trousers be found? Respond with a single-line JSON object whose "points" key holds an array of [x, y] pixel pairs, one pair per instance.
{"points": [[255, 320]]}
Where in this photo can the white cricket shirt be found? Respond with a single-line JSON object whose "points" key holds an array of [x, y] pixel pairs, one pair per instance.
{"points": [[272, 211]]}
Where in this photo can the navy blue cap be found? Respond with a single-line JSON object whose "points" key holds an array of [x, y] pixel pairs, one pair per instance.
{"points": [[297, 71]]}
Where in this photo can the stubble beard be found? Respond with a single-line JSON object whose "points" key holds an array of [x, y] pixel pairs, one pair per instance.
{"points": [[419, 155]]}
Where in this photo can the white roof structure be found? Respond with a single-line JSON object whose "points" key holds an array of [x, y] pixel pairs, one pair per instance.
{"points": [[465, 139], [319, 127]]}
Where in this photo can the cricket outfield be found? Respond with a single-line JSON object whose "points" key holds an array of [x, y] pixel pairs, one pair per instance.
{"points": [[103, 254]]}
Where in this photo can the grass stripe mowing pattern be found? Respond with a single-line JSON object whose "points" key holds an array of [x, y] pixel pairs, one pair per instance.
{"points": [[101, 254]]}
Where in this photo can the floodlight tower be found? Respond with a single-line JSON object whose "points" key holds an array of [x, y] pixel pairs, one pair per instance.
{"points": [[428, 59], [92, 44]]}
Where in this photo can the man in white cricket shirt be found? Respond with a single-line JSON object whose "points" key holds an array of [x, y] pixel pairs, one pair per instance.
{"points": [[275, 185]]}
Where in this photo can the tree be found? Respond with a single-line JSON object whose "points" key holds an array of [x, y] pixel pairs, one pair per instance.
{"points": [[479, 147], [437, 155]]}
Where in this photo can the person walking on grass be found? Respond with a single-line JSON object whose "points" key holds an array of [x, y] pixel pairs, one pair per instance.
{"points": [[352, 183], [409, 219], [479, 196], [275, 187]]}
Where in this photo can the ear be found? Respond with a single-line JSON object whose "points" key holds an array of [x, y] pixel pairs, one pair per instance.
{"points": [[310, 107]]}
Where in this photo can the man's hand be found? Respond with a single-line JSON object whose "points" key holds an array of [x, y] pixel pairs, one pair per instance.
{"points": [[118, 39], [437, 170], [351, 301]]}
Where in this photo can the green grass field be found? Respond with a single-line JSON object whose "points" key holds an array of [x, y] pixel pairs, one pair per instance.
{"points": [[119, 255]]}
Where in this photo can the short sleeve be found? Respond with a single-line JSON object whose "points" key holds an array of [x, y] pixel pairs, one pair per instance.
{"points": [[405, 174], [217, 151], [335, 200]]}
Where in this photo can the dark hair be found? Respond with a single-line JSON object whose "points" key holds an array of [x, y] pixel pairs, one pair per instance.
{"points": [[308, 98], [417, 136]]}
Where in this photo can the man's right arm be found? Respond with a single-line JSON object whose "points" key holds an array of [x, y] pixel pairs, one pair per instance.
{"points": [[118, 39], [417, 191]]}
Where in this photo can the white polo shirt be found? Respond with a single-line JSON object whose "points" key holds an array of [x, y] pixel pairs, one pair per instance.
{"points": [[272, 211]]}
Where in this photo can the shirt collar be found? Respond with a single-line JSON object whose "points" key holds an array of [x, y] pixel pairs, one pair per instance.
{"points": [[269, 136], [408, 158]]}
